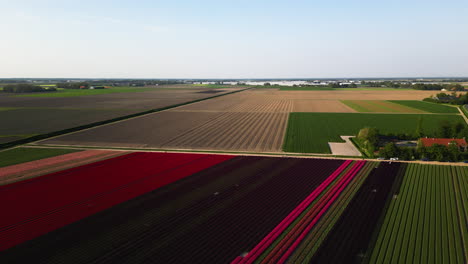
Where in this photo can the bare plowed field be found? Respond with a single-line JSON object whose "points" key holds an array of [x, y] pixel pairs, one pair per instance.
{"points": [[146, 131], [23, 117], [188, 130], [234, 104], [236, 131], [321, 106], [342, 95]]}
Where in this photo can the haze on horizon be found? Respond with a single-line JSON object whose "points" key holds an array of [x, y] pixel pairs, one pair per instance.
{"points": [[233, 39]]}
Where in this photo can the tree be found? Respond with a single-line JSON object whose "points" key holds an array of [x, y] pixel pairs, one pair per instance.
{"points": [[463, 133], [453, 151], [457, 128], [445, 130], [25, 88], [370, 134], [438, 152], [389, 150]]}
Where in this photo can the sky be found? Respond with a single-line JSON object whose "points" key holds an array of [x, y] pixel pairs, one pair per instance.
{"points": [[233, 39]]}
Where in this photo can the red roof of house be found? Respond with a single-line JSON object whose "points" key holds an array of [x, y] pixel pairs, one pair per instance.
{"points": [[427, 142]]}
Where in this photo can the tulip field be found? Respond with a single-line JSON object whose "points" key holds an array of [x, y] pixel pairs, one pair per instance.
{"points": [[144, 207]]}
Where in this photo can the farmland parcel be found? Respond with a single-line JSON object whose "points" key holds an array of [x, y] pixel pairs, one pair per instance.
{"points": [[311, 132], [252, 120], [23, 117], [182, 130], [185, 208]]}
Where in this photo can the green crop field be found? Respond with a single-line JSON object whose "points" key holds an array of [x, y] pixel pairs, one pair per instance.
{"points": [[311, 132], [83, 92], [20, 155], [379, 106], [428, 107], [426, 221]]}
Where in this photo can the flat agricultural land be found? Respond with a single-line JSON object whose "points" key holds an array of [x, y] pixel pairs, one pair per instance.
{"points": [[262, 132], [426, 220], [311, 132], [185, 208], [379, 106], [254, 120], [428, 107], [22, 117], [21, 155], [347, 94]]}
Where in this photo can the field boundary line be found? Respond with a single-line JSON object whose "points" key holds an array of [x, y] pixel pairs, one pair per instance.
{"points": [[72, 130], [462, 113], [245, 153]]}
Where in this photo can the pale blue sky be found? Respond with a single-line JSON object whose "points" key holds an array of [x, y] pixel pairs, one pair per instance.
{"points": [[233, 39]]}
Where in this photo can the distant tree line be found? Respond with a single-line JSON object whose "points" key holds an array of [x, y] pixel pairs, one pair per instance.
{"points": [[454, 98], [341, 85], [448, 87], [416, 86], [73, 85], [26, 88]]}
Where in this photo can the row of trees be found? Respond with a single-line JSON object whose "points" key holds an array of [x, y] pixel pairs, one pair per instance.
{"points": [[73, 85], [435, 152], [26, 88], [449, 87], [341, 85], [416, 86], [370, 140], [453, 98]]}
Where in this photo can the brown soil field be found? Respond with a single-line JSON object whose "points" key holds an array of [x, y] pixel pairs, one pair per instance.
{"points": [[188, 130], [272, 100], [233, 103], [38, 115], [321, 106], [254, 120], [258, 132], [343, 95], [146, 131]]}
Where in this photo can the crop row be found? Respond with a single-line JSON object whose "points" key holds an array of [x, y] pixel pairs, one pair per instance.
{"points": [[283, 241], [344, 244], [427, 220], [46, 203], [213, 215], [257, 250]]}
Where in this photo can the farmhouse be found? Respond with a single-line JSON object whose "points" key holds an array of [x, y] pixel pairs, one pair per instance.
{"points": [[460, 142], [445, 99]]}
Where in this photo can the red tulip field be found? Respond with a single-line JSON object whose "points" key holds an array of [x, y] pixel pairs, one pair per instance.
{"points": [[206, 208]]}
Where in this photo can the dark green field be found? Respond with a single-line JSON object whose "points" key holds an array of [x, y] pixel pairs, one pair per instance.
{"points": [[426, 223], [20, 155], [311, 132], [428, 107]]}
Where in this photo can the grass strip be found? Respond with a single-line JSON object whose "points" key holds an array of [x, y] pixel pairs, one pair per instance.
{"points": [[21, 155]]}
